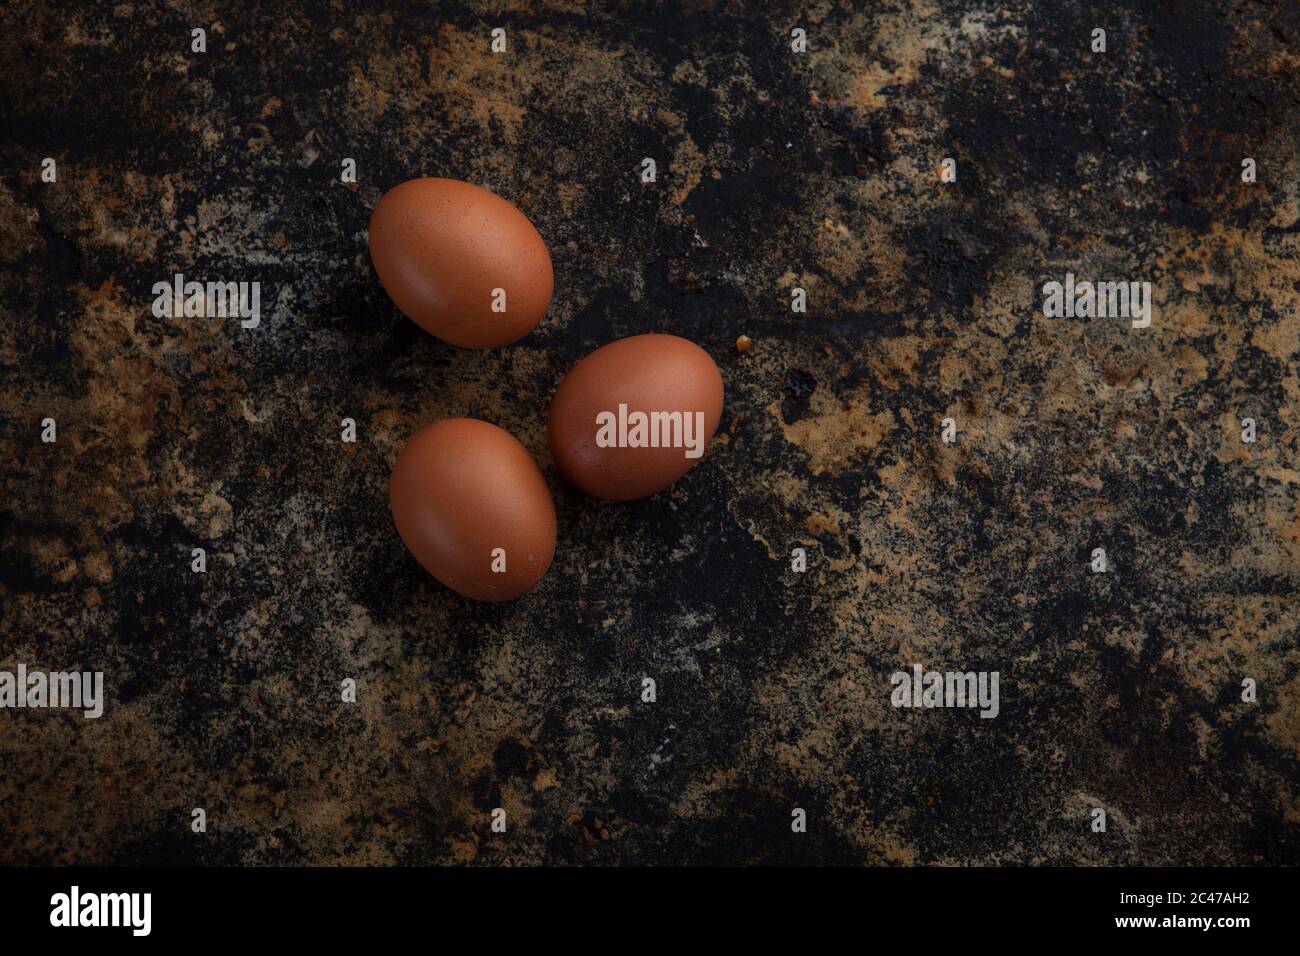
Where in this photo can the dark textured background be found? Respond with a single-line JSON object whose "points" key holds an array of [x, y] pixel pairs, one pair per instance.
{"points": [[1119, 690]]}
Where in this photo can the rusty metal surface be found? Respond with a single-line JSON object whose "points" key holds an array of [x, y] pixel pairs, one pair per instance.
{"points": [[818, 170]]}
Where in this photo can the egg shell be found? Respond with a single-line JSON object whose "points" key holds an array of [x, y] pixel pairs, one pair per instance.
{"points": [[647, 373], [462, 488], [441, 247]]}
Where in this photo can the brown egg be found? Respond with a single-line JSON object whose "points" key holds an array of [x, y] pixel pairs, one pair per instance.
{"points": [[461, 262], [461, 490], [633, 416]]}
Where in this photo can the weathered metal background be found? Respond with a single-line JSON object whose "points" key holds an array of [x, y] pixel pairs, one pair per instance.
{"points": [[777, 170]]}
